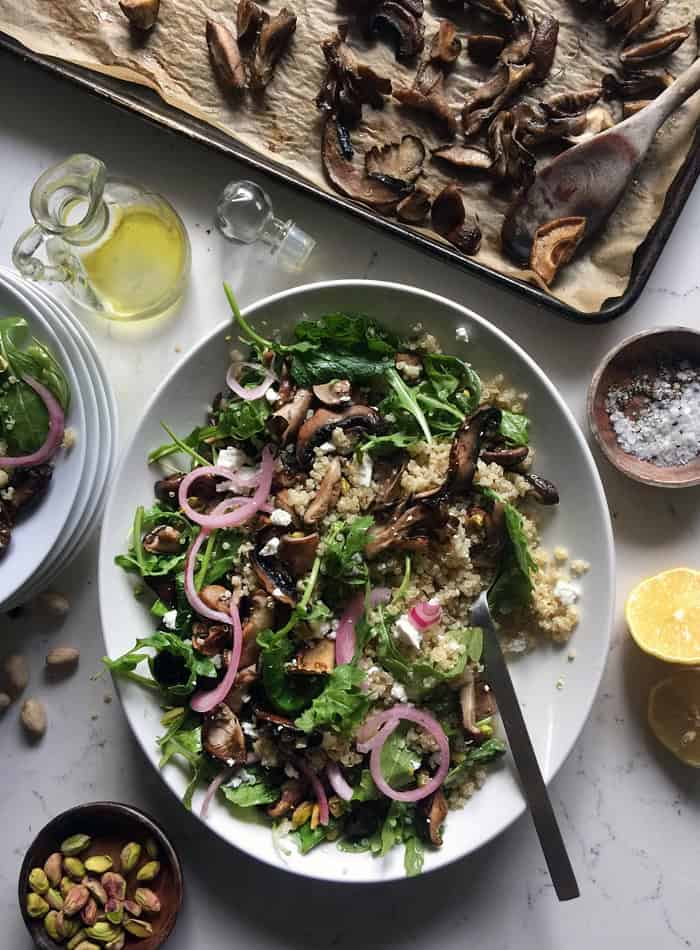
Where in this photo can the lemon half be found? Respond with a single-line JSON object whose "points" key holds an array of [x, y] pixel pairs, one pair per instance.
{"points": [[674, 715], [663, 615]]}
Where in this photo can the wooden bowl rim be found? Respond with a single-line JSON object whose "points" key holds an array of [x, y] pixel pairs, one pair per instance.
{"points": [[117, 808]]}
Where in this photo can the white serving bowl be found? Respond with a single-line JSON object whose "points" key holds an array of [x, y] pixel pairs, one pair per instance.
{"points": [[555, 717]]}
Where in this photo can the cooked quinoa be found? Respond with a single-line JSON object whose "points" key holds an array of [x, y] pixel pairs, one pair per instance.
{"points": [[359, 709]]}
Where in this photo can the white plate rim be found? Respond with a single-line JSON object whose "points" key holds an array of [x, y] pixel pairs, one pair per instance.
{"points": [[77, 418], [105, 562]]}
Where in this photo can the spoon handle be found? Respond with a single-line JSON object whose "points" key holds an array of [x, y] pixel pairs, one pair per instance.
{"points": [[645, 124]]}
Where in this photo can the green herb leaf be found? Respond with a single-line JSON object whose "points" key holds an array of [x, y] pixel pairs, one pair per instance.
{"points": [[257, 788], [514, 427], [139, 561], [175, 666], [386, 444], [289, 694], [414, 855], [404, 399], [476, 755], [343, 564], [399, 763], [352, 332], [513, 586], [365, 790], [312, 367], [341, 706], [308, 838]]}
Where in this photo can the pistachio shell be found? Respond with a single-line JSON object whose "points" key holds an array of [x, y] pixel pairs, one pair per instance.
{"points": [[76, 844]]}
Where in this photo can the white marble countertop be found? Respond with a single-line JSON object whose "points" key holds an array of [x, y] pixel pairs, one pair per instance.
{"points": [[629, 813]]}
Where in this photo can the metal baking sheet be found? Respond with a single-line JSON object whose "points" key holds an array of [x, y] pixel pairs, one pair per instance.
{"points": [[147, 104]]}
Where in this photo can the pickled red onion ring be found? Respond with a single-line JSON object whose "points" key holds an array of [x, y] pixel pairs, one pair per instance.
{"points": [[345, 640], [337, 782], [245, 392], [205, 700], [55, 433], [243, 512], [315, 782], [213, 789]]}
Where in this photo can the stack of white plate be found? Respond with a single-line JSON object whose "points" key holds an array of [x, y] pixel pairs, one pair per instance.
{"points": [[49, 537]]}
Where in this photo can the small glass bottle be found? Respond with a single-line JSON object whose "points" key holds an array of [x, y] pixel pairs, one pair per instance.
{"points": [[244, 213]]}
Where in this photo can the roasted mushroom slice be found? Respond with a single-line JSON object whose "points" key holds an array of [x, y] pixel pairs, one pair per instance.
{"points": [[544, 46], [163, 540], [272, 574], [427, 94], [316, 658], [467, 702], [434, 811], [240, 691], [449, 218], [346, 177], [210, 638], [405, 531], [500, 8], [484, 48], [349, 84], [633, 106], [216, 597], [596, 120], [337, 393], [543, 491], [511, 160], [29, 485], [249, 18], [554, 245], [465, 157], [319, 428], [298, 552], [225, 56], [327, 495], [260, 616], [627, 15], [414, 208], [162, 585], [398, 164], [498, 91], [445, 45], [284, 423], [655, 48], [506, 456], [392, 19], [387, 473], [564, 104], [141, 13], [464, 454], [495, 535], [650, 17], [273, 40], [647, 84], [222, 736]]}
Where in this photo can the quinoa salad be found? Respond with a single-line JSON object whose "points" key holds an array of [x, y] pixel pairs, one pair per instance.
{"points": [[310, 561]]}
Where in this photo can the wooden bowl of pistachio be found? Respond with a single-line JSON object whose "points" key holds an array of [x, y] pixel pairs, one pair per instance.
{"points": [[102, 875]]}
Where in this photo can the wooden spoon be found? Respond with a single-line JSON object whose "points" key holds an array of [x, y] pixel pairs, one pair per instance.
{"points": [[589, 179]]}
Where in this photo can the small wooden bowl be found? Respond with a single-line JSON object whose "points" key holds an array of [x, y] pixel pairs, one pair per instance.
{"points": [[110, 825], [638, 354]]}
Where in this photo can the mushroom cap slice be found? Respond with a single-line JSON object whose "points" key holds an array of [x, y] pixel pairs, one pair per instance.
{"points": [[465, 156], [320, 426], [627, 15], [501, 8], [650, 17], [284, 423], [396, 164], [348, 84], [637, 84], [511, 159], [597, 119], [564, 104], [402, 25], [337, 393], [261, 614], [316, 658], [414, 208], [427, 94], [327, 495], [141, 13], [445, 45], [497, 91], [298, 552], [544, 46], [347, 178], [225, 56], [654, 48], [449, 219], [272, 574], [273, 40], [484, 48], [222, 736], [434, 811], [542, 490], [249, 19], [554, 245]]}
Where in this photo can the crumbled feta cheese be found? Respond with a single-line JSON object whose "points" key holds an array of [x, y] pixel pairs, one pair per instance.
{"points": [[290, 771], [267, 550], [408, 632], [409, 370], [280, 517], [236, 781], [364, 470], [70, 437], [277, 592], [326, 448], [565, 593], [272, 395], [399, 693], [332, 635], [217, 660], [461, 333], [170, 619], [232, 458], [249, 729], [7, 494]]}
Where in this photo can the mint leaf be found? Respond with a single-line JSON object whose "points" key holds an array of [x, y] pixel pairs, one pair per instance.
{"points": [[514, 427]]}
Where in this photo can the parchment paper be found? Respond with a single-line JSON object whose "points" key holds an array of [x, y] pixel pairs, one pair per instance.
{"points": [[285, 124]]}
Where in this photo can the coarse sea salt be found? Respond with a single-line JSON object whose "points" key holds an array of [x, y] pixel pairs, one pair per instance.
{"points": [[657, 418]]}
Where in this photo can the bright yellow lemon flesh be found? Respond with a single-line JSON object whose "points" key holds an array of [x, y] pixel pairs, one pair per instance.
{"points": [[663, 615], [674, 715]]}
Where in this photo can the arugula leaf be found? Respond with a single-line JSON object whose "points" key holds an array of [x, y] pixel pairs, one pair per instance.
{"points": [[476, 755], [365, 790], [419, 676], [399, 763], [187, 445], [514, 427], [223, 555], [186, 743], [24, 420], [452, 378], [414, 855], [341, 706], [400, 828], [257, 788], [308, 838], [403, 400], [513, 586], [347, 331], [343, 562], [174, 668], [381, 444], [288, 694], [241, 420]]}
